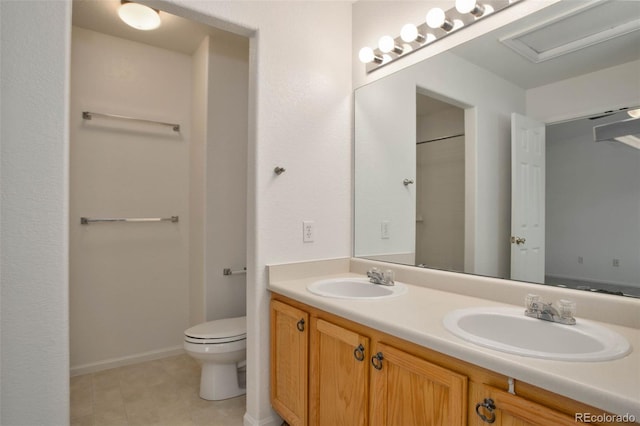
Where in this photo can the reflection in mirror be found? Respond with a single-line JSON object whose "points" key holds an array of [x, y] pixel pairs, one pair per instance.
{"points": [[439, 184], [593, 207], [433, 154]]}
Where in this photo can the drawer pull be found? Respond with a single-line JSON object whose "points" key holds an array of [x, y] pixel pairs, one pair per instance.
{"points": [[376, 361], [300, 325], [489, 406], [358, 352]]}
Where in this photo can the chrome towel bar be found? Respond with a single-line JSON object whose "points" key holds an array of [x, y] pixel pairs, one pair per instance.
{"points": [[87, 220], [87, 115]]}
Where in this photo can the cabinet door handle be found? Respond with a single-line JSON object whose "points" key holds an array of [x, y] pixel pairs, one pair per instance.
{"points": [[300, 325], [489, 406], [376, 361], [358, 352]]}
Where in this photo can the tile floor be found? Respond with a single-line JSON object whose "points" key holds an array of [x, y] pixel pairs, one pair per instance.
{"points": [[156, 393]]}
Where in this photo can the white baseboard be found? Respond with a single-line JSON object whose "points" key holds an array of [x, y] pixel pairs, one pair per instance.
{"points": [[126, 360], [274, 420]]}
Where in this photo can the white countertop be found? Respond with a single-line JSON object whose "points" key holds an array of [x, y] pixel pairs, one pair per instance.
{"points": [[416, 316]]}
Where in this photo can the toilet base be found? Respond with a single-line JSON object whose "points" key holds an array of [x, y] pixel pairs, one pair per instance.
{"points": [[219, 381]]}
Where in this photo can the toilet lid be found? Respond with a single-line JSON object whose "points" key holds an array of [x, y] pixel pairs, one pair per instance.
{"points": [[222, 329]]}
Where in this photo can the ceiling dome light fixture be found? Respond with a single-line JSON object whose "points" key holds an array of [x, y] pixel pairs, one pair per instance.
{"points": [[139, 16]]}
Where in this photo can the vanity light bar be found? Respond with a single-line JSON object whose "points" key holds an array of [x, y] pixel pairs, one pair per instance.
{"points": [[438, 24]]}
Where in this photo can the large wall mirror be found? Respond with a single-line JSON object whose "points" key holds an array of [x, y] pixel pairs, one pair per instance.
{"points": [[514, 155]]}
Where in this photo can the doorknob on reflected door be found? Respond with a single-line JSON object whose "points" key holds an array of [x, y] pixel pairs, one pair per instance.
{"points": [[407, 182], [518, 240]]}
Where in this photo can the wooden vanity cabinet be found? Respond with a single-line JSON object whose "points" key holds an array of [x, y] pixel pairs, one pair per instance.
{"points": [[404, 390], [339, 375], [527, 406], [410, 391], [501, 408], [329, 371], [289, 362]]}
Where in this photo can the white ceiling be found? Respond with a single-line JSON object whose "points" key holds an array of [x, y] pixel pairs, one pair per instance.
{"points": [[175, 33], [488, 52]]}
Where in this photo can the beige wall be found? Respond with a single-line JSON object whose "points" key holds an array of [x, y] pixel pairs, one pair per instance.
{"points": [[128, 281], [218, 177], [197, 178], [226, 177]]}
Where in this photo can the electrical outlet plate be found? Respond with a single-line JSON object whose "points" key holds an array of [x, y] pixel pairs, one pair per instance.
{"points": [[308, 231]]}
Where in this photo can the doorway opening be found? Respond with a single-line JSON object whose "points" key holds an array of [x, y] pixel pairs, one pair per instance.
{"points": [[588, 205], [136, 286], [440, 184]]}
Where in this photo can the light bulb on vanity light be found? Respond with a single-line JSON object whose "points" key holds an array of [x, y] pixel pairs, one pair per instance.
{"points": [[387, 44], [436, 18], [409, 33], [469, 6], [473, 7], [367, 55]]}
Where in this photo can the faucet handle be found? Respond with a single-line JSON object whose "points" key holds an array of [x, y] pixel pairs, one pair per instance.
{"points": [[566, 308], [530, 300]]}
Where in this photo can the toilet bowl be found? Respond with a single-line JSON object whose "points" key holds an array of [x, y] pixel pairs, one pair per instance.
{"points": [[220, 346]]}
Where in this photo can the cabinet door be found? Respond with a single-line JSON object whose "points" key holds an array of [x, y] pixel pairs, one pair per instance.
{"points": [[339, 376], [289, 362], [512, 410], [409, 391]]}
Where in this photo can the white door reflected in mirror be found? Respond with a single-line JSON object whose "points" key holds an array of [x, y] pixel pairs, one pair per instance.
{"points": [[527, 198]]}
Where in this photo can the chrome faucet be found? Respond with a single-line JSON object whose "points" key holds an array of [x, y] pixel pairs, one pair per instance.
{"points": [[536, 308], [381, 278]]}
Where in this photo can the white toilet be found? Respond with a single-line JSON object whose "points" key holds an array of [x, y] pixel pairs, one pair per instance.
{"points": [[221, 347]]}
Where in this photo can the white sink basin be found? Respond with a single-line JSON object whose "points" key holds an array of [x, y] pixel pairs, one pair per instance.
{"points": [[509, 330], [355, 288]]}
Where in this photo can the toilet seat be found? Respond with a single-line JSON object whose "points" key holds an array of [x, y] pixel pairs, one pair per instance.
{"points": [[225, 330]]}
